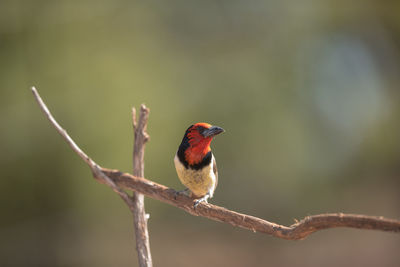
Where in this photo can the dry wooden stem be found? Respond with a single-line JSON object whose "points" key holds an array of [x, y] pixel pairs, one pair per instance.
{"points": [[299, 230], [139, 214], [97, 173]]}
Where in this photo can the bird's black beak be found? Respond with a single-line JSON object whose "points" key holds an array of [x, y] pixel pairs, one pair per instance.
{"points": [[212, 131]]}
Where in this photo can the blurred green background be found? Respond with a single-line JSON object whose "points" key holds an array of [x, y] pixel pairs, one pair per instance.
{"points": [[307, 91]]}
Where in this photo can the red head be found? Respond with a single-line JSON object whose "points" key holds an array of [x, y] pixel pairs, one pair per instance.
{"points": [[199, 137]]}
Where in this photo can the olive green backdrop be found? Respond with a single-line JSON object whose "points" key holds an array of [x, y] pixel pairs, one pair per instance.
{"points": [[307, 91]]}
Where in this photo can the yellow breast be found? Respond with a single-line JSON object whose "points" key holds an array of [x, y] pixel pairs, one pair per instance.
{"points": [[199, 182]]}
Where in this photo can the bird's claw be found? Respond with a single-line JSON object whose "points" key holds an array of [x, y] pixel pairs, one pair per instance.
{"points": [[198, 201], [180, 192]]}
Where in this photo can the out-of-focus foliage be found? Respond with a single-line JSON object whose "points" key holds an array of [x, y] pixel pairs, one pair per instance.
{"points": [[308, 92]]}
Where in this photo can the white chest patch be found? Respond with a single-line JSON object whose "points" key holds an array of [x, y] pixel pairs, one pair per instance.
{"points": [[200, 182]]}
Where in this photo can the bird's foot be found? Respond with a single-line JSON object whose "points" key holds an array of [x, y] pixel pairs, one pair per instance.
{"points": [[180, 192], [203, 199]]}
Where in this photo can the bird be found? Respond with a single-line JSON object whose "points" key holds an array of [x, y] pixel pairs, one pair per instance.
{"points": [[195, 163]]}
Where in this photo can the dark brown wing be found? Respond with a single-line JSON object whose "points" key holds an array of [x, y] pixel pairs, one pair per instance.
{"points": [[215, 172]]}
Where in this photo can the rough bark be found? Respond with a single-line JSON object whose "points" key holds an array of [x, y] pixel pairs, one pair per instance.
{"points": [[139, 213], [300, 230]]}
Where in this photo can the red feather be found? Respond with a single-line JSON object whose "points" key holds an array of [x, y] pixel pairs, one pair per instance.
{"points": [[199, 145]]}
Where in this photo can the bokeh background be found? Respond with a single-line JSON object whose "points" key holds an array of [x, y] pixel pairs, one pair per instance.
{"points": [[308, 92]]}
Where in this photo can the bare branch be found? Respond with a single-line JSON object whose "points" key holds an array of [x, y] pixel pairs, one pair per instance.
{"points": [[60, 130], [96, 170], [139, 213], [299, 230]]}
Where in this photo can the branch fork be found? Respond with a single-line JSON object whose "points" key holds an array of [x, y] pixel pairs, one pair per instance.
{"points": [[141, 186]]}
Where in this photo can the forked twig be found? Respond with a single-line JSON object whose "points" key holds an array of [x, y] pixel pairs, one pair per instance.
{"points": [[300, 230]]}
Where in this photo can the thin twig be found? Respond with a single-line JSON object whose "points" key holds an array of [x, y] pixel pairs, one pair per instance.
{"points": [[299, 230], [93, 165], [139, 213]]}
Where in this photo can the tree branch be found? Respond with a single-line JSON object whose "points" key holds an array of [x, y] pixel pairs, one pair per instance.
{"points": [[96, 170], [300, 230], [139, 214]]}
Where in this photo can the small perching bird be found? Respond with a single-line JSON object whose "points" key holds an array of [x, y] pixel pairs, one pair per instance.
{"points": [[195, 163]]}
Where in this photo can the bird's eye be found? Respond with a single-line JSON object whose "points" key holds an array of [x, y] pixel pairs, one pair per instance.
{"points": [[201, 129]]}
